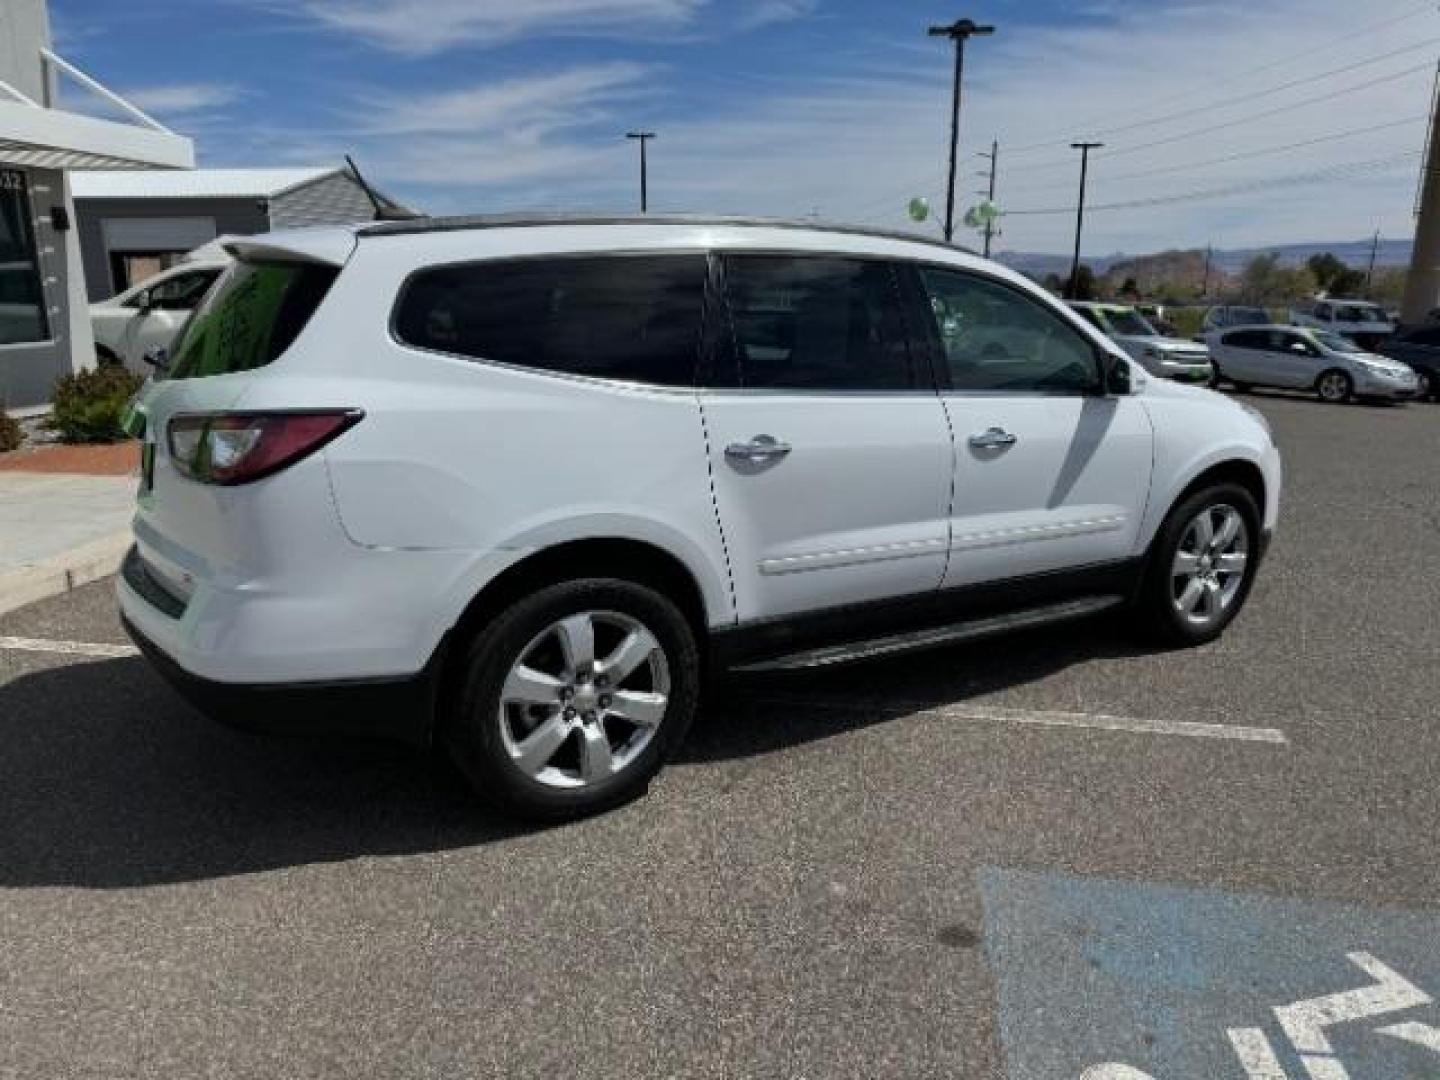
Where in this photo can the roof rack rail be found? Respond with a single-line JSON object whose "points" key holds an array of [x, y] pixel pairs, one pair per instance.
{"points": [[468, 222]]}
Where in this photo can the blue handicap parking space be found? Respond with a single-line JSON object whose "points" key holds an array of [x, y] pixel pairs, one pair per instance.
{"points": [[1111, 980]]}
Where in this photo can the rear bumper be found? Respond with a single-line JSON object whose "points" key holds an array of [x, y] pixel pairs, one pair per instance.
{"points": [[395, 709]]}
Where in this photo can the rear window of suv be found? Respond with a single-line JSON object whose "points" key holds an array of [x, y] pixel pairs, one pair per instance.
{"points": [[634, 318], [249, 318]]}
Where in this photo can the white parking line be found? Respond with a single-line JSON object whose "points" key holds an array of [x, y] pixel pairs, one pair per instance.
{"points": [[68, 648], [1042, 718]]}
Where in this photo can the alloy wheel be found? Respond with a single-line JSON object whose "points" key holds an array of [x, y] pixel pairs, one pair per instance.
{"points": [[584, 699], [1334, 386], [1208, 570]]}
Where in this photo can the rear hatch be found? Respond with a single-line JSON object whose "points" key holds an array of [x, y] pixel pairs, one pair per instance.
{"points": [[255, 311]]}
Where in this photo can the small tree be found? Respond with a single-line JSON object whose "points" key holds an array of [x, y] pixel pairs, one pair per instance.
{"points": [[1083, 287]]}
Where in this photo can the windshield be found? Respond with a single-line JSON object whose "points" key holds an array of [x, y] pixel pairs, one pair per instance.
{"points": [[1359, 313], [249, 318], [1336, 342], [1127, 321]]}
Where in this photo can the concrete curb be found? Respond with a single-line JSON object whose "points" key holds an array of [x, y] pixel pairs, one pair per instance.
{"points": [[61, 573]]}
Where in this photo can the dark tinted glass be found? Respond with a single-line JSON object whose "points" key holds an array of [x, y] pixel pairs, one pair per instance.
{"points": [[817, 323], [1428, 335], [249, 318], [997, 338], [633, 318], [1248, 339]]}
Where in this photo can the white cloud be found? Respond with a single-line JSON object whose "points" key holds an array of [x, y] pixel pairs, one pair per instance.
{"points": [[769, 12], [534, 105], [412, 26], [183, 97]]}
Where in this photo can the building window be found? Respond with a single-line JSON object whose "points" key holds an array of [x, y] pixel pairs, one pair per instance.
{"points": [[22, 302], [129, 268]]}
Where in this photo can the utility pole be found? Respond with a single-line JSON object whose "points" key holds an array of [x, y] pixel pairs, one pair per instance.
{"points": [[960, 31], [1084, 148], [1422, 285], [994, 156], [643, 137], [1370, 270], [1205, 283]]}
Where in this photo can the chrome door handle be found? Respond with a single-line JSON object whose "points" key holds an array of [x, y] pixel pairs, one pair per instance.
{"points": [[992, 438], [759, 449]]}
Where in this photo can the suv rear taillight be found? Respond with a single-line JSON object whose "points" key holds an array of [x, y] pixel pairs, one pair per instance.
{"points": [[237, 447]]}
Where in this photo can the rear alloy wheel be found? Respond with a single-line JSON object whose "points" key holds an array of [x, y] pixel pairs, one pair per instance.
{"points": [[1201, 566], [574, 698], [1334, 386]]}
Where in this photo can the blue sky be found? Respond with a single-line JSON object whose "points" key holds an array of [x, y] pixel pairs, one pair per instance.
{"points": [[793, 107]]}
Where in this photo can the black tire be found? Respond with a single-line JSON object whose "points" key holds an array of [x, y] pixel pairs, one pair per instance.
{"points": [[472, 731], [1242, 387], [1157, 618], [1216, 377], [1427, 390], [1343, 380], [104, 357]]}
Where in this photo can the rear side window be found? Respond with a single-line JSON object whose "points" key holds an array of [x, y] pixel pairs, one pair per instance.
{"points": [[1248, 339], [817, 323], [631, 318], [249, 318]]}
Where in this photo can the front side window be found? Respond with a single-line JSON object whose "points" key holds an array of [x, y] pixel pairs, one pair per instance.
{"points": [[252, 315], [817, 323], [22, 302], [626, 317], [1286, 342], [997, 338], [1248, 339]]}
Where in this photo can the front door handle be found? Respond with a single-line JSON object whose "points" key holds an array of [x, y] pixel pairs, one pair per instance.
{"points": [[992, 438], [760, 449]]}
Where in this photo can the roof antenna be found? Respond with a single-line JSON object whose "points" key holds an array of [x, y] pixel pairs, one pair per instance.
{"points": [[385, 210]]}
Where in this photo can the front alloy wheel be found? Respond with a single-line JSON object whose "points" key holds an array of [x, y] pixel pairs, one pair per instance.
{"points": [[1334, 387], [1208, 570]]}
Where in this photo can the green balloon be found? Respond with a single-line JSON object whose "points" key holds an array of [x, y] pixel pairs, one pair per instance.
{"points": [[919, 208]]}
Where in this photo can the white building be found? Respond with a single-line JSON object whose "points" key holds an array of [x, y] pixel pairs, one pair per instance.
{"points": [[44, 323]]}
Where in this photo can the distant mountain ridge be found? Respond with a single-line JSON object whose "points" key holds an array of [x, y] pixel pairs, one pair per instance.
{"points": [[1354, 253]]}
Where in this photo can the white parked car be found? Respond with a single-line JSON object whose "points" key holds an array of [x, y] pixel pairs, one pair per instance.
{"points": [[1167, 357], [147, 316], [1300, 358], [521, 486], [1366, 323]]}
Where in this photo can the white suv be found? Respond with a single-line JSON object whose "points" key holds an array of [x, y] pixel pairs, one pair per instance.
{"points": [[523, 485]]}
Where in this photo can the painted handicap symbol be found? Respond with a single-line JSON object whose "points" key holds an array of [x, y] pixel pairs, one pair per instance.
{"points": [[1304, 1023]]}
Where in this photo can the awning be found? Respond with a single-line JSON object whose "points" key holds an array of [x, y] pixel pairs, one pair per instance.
{"points": [[54, 139]]}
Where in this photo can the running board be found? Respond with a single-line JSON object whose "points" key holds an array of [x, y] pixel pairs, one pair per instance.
{"points": [[969, 630]]}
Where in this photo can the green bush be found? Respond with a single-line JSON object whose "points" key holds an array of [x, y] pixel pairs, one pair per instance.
{"points": [[11, 433], [89, 404]]}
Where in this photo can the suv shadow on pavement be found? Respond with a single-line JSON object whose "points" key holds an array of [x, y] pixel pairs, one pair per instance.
{"points": [[111, 781]]}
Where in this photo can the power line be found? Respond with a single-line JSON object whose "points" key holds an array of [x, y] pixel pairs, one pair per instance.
{"points": [[1244, 74], [1266, 114], [1330, 173], [1242, 156]]}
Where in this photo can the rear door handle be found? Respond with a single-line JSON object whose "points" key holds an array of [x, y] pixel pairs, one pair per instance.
{"points": [[759, 449], [992, 438]]}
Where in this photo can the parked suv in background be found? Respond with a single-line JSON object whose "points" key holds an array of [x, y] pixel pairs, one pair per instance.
{"points": [[1367, 324], [522, 486], [1167, 357], [149, 315]]}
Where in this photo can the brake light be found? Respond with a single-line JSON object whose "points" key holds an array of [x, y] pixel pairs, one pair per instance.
{"points": [[236, 448]]}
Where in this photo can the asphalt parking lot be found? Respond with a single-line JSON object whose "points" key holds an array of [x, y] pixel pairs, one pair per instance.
{"points": [[1030, 858]]}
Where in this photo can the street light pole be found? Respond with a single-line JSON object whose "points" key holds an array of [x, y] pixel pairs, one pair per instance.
{"points": [[1084, 148], [959, 32], [643, 137]]}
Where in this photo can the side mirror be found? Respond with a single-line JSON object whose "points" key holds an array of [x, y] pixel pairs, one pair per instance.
{"points": [[1117, 375], [143, 301], [1299, 348], [158, 358]]}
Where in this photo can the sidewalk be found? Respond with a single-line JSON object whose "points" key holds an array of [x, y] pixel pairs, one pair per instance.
{"points": [[64, 518]]}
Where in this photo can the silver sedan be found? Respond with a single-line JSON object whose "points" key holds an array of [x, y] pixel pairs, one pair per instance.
{"points": [[1300, 358]]}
